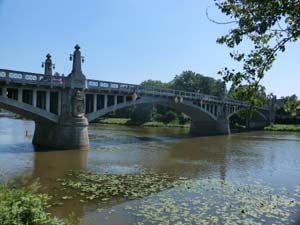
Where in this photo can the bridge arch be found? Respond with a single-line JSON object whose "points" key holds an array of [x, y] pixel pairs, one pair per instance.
{"points": [[27, 111], [256, 114], [258, 120], [187, 107]]}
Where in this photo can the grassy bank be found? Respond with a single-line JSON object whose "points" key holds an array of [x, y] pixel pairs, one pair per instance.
{"points": [[283, 127], [160, 124], [119, 121], [125, 121]]}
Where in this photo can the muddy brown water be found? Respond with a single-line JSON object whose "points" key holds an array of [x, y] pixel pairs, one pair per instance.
{"points": [[273, 158]]}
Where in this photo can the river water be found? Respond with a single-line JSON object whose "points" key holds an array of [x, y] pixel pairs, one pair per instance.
{"points": [[271, 158]]}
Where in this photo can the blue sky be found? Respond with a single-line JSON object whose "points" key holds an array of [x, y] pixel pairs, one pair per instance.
{"points": [[127, 40]]}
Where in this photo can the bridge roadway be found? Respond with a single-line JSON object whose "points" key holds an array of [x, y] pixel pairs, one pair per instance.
{"points": [[62, 106]]}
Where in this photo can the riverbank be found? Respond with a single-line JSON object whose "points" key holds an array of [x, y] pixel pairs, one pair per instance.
{"points": [[24, 206], [127, 122], [284, 127]]}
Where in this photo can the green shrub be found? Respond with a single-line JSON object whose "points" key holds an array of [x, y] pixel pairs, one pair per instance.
{"points": [[169, 117], [20, 206]]}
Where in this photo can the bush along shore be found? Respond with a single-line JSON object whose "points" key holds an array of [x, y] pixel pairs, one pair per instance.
{"points": [[23, 206], [284, 127]]}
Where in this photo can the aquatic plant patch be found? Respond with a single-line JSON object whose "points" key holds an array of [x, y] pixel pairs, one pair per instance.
{"points": [[213, 201], [105, 186], [161, 199]]}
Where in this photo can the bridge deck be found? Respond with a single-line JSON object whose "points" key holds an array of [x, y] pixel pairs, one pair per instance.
{"points": [[28, 78]]}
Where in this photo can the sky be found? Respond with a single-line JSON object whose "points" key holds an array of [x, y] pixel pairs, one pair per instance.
{"points": [[127, 40]]}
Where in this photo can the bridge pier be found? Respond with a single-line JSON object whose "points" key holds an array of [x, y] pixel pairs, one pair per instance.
{"points": [[199, 128], [258, 120], [220, 126], [71, 129], [257, 124], [69, 133]]}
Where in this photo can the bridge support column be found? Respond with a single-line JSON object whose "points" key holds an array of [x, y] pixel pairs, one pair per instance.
{"points": [[257, 124], [115, 99], [69, 133], [4, 92], [95, 102], [71, 130], [48, 101], [34, 94], [105, 101], [218, 126], [20, 95], [59, 103]]}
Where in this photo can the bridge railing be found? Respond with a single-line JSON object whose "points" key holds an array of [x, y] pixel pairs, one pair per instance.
{"points": [[158, 91], [59, 81], [165, 92], [30, 78]]}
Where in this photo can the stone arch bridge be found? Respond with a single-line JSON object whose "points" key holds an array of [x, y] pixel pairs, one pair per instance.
{"points": [[62, 107]]}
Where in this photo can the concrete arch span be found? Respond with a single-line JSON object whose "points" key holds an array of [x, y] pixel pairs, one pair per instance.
{"points": [[258, 119], [28, 111], [202, 121], [193, 111]]}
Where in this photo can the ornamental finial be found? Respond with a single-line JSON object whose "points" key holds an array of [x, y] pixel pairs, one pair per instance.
{"points": [[77, 47]]}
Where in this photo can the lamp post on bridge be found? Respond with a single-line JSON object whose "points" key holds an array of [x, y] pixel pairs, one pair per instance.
{"points": [[76, 79]]}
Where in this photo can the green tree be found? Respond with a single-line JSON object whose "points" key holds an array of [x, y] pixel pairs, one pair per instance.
{"points": [[242, 93], [168, 117], [155, 83], [269, 25], [290, 104], [194, 82], [141, 114]]}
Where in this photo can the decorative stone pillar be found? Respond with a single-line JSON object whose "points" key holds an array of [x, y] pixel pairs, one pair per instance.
{"points": [[76, 79], [71, 132], [48, 65]]}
